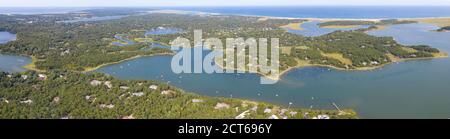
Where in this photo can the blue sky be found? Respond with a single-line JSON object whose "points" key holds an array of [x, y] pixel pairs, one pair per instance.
{"points": [[149, 3]]}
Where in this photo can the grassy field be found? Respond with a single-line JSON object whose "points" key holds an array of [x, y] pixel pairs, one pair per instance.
{"points": [[143, 40], [339, 57], [32, 65], [409, 50], [441, 22], [293, 26], [440, 54], [287, 50]]}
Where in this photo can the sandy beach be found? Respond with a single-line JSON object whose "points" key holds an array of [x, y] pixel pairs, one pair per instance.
{"points": [[435, 20]]}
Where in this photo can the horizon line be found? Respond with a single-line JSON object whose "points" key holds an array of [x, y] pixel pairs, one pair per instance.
{"points": [[112, 6]]}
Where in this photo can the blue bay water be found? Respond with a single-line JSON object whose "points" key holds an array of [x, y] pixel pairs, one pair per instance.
{"points": [[412, 89], [6, 37], [11, 63]]}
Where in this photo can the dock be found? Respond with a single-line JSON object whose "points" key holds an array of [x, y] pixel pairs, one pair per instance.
{"points": [[335, 106]]}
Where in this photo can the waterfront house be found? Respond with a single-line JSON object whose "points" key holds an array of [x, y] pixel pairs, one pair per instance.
{"points": [[153, 87], [24, 77]]}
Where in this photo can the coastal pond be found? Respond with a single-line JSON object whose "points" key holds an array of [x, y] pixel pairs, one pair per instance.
{"points": [[6, 37], [411, 89], [11, 63]]}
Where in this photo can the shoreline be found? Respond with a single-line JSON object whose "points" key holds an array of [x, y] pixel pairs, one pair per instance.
{"points": [[89, 69], [364, 68], [282, 73], [31, 66], [293, 18]]}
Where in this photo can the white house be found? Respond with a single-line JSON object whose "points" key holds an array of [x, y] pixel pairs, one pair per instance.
{"points": [[108, 84], [323, 116], [267, 110], [273, 117], [109, 106], [42, 76], [153, 87], [166, 92], [124, 87], [24, 77], [138, 94], [95, 82], [27, 101]]}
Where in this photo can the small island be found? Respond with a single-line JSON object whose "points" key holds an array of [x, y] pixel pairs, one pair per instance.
{"points": [[444, 29]]}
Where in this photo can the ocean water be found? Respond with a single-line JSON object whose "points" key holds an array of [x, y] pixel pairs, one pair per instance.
{"points": [[358, 12]]}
